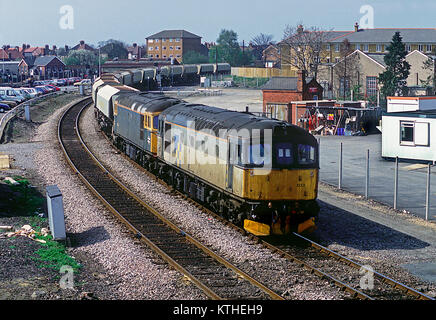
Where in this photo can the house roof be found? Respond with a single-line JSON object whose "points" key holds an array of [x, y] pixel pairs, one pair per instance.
{"points": [[283, 83], [384, 35], [82, 46], [327, 36], [3, 54], [378, 57], [174, 34], [44, 60]]}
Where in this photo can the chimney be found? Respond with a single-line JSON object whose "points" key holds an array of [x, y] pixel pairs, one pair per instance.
{"points": [[356, 27], [301, 80], [66, 49], [135, 45], [82, 42], [46, 50], [28, 46], [23, 47], [300, 29]]}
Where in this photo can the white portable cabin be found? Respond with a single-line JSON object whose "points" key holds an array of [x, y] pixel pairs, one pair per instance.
{"points": [[408, 128]]}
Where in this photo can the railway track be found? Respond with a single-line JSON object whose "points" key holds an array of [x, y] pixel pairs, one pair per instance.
{"points": [[218, 278], [327, 264]]}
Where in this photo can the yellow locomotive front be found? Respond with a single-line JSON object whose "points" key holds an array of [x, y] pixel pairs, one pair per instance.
{"points": [[257, 172]]}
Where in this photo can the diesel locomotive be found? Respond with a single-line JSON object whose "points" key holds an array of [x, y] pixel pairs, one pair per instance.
{"points": [[259, 173]]}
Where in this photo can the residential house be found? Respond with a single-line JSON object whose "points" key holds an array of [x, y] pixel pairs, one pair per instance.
{"points": [[369, 46], [83, 46], [136, 52], [47, 67], [271, 56], [173, 44], [361, 71]]}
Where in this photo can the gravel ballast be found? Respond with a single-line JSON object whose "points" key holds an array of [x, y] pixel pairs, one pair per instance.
{"points": [[116, 266]]}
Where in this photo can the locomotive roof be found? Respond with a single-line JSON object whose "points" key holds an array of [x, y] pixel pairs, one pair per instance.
{"points": [[146, 102], [213, 118]]}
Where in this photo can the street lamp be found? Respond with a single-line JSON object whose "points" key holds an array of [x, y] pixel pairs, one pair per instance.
{"points": [[99, 62]]}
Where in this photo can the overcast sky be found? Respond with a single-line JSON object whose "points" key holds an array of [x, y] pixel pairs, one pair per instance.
{"points": [[40, 22]]}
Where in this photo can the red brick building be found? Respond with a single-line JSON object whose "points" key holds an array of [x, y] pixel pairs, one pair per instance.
{"points": [[279, 92]]}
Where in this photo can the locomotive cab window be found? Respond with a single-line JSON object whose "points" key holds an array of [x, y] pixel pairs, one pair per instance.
{"points": [[284, 154], [306, 154]]}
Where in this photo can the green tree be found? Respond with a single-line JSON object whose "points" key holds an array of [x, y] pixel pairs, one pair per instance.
{"points": [[394, 79], [113, 49], [228, 50], [193, 57], [81, 58]]}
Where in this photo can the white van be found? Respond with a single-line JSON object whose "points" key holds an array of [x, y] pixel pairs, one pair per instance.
{"points": [[9, 92]]}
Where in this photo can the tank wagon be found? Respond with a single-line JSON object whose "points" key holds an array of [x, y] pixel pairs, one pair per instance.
{"points": [[257, 172]]}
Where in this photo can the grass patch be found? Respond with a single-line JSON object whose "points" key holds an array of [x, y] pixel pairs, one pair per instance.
{"points": [[52, 254], [27, 199]]}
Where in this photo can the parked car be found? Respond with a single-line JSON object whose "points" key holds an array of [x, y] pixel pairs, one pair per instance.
{"points": [[42, 89], [84, 82], [60, 82], [32, 92], [4, 107], [11, 94], [50, 86], [23, 93], [10, 103]]}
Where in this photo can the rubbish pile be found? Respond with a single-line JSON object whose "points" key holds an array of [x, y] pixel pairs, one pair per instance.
{"points": [[24, 231]]}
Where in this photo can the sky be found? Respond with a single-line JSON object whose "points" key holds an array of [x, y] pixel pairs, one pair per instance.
{"points": [[66, 22]]}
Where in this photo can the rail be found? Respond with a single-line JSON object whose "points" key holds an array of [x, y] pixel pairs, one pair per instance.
{"points": [[144, 221]]}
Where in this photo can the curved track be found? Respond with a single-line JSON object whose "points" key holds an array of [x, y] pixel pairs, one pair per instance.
{"points": [[218, 278]]}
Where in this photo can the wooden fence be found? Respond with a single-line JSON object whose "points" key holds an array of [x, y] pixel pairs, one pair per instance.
{"points": [[263, 72]]}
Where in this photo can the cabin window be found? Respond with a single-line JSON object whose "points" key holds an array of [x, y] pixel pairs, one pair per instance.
{"points": [[306, 154], [414, 133], [284, 154], [155, 122], [406, 133]]}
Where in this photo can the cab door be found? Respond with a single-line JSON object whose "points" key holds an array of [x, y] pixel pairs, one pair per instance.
{"points": [[232, 157]]}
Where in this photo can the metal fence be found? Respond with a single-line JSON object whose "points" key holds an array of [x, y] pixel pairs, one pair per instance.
{"points": [[379, 179], [19, 108]]}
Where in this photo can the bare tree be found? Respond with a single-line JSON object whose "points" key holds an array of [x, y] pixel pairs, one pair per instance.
{"points": [[262, 39], [347, 71], [259, 43], [304, 48]]}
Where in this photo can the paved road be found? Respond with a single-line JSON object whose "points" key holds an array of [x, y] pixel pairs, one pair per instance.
{"points": [[412, 177]]}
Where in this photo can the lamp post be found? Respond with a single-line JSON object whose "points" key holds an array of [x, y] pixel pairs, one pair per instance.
{"points": [[99, 62]]}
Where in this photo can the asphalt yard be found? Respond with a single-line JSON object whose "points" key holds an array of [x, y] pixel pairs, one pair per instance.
{"points": [[412, 177]]}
